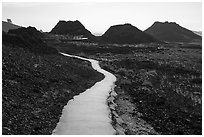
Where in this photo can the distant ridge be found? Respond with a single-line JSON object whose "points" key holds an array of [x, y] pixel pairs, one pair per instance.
{"points": [[126, 34], [6, 26], [171, 32], [71, 28]]}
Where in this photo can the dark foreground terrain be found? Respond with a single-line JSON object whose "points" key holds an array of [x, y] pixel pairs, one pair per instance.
{"points": [[36, 87], [159, 86]]}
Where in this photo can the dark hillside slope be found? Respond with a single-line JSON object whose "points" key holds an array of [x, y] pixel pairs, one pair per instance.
{"points": [[171, 32], [6, 26], [28, 38], [126, 34]]}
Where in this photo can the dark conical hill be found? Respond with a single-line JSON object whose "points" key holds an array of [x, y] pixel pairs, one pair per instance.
{"points": [[126, 34], [171, 32]]}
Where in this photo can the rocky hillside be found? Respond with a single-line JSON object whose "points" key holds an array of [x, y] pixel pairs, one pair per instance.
{"points": [[172, 32], [6, 26], [74, 28], [126, 34], [28, 38]]}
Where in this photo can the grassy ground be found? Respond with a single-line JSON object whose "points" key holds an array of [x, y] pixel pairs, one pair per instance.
{"points": [[36, 87]]}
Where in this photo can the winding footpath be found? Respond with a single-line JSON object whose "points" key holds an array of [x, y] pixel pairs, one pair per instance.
{"points": [[88, 113]]}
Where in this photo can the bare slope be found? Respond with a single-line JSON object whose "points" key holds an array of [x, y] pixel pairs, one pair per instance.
{"points": [[126, 34], [172, 32]]}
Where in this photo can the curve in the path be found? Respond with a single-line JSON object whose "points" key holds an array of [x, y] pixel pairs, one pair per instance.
{"points": [[88, 113]]}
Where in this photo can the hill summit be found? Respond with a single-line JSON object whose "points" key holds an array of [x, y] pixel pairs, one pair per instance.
{"points": [[74, 28], [126, 34], [171, 32]]}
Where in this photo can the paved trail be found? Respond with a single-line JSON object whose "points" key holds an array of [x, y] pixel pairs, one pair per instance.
{"points": [[88, 113]]}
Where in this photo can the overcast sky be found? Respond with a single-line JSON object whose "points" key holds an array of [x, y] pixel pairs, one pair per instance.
{"points": [[98, 17]]}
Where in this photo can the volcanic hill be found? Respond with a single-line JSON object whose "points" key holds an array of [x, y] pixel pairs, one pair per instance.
{"points": [[28, 38], [126, 34], [74, 28], [172, 32]]}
